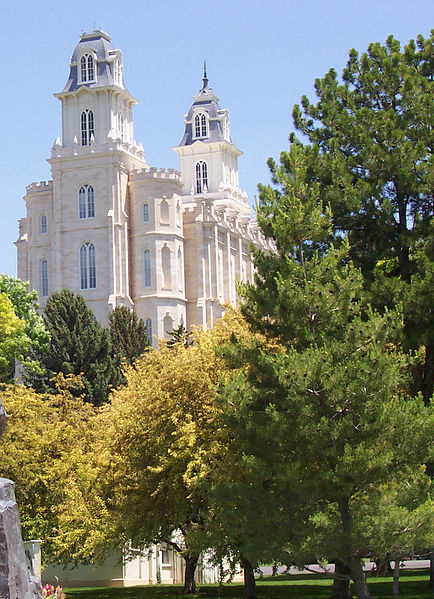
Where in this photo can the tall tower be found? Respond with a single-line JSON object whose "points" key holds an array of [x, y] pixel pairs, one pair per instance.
{"points": [[78, 223]]}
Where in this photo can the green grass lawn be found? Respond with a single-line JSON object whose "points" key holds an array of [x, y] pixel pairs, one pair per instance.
{"points": [[413, 585]]}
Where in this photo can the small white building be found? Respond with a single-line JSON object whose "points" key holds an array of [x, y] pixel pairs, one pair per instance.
{"points": [[169, 244]]}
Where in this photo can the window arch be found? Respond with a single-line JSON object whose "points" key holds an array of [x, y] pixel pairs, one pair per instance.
{"points": [[87, 68], [86, 202], [147, 268], [164, 213], [167, 326], [145, 213], [166, 267], [201, 177], [180, 271], [43, 224], [87, 127], [44, 278], [87, 266], [200, 125]]}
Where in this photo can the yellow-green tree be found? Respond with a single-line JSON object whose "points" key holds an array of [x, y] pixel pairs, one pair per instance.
{"points": [[43, 442], [156, 447], [13, 339]]}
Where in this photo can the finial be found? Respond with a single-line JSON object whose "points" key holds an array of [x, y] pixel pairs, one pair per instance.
{"points": [[205, 78]]}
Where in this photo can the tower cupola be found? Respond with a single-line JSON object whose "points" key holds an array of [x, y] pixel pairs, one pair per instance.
{"points": [[96, 105], [206, 121], [95, 63], [208, 159]]}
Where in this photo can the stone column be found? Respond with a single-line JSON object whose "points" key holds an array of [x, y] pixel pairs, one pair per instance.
{"points": [[15, 579]]}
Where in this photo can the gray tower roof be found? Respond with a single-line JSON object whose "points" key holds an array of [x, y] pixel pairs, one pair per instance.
{"points": [[100, 43], [207, 102]]}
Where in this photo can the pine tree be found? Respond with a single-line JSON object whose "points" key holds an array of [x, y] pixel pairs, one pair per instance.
{"points": [[128, 334], [179, 335], [79, 345], [330, 402], [371, 153]]}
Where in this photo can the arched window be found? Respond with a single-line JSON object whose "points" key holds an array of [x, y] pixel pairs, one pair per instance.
{"points": [[87, 68], [201, 177], [121, 128], [146, 268], [166, 268], [180, 271], [167, 326], [200, 125], [87, 127], [148, 324], [44, 278], [87, 266], [164, 213], [86, 202], [145, 213], [43, 224]]}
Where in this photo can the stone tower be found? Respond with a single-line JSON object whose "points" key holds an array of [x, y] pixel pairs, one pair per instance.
{"points": [[168, 244]]}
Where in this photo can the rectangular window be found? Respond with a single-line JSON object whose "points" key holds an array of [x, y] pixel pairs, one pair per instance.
{"points": [[146, 268], [44, 278], [43, 224], [145, 213]]}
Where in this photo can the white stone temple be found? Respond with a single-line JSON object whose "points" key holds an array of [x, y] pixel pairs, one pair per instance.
{"points": [[169, 244]]}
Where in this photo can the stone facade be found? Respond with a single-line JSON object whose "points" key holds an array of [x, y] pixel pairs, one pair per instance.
{"points": [[169, 244]]}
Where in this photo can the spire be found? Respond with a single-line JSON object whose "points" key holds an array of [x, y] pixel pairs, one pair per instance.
{"points": [[205, 78]]}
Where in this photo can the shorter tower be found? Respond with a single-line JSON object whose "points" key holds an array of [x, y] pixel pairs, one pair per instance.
{"points": [[218, 227]]}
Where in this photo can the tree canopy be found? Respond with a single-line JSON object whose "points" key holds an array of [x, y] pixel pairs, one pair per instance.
{"points": [[23, 335], [79, 345], [332, 402]]}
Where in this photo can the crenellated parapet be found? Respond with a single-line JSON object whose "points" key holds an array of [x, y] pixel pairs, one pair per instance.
{"points": [[155, 173], [39, 187]]}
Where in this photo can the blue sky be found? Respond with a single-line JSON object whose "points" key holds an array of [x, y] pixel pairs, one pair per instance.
{"points": [[261, 57]]}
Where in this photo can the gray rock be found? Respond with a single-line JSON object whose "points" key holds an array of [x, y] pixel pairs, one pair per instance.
{"points": [[3, 419], [15, 579]]}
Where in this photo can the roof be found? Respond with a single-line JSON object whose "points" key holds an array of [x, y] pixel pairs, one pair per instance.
{"points": [[100, 44], [207, 101]]}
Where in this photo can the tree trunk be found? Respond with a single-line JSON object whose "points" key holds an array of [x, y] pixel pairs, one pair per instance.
{"points": [[190, 569], [431, 569], [395, 585], [383, 567], [249, 579], [341, 580], [357, 574]]}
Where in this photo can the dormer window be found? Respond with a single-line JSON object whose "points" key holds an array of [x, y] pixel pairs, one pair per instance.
{"points": [[121, 127], [117, 72], [200, 125], [87, 68]]}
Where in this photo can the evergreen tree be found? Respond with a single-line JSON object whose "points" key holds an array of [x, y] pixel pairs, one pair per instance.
{"points": [[179, 335], [371, 152], [330, 402], [79, 345], [128, 334]]}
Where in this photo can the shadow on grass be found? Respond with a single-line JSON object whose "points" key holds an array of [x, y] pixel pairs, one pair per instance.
{"points": [[414, 585]]}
